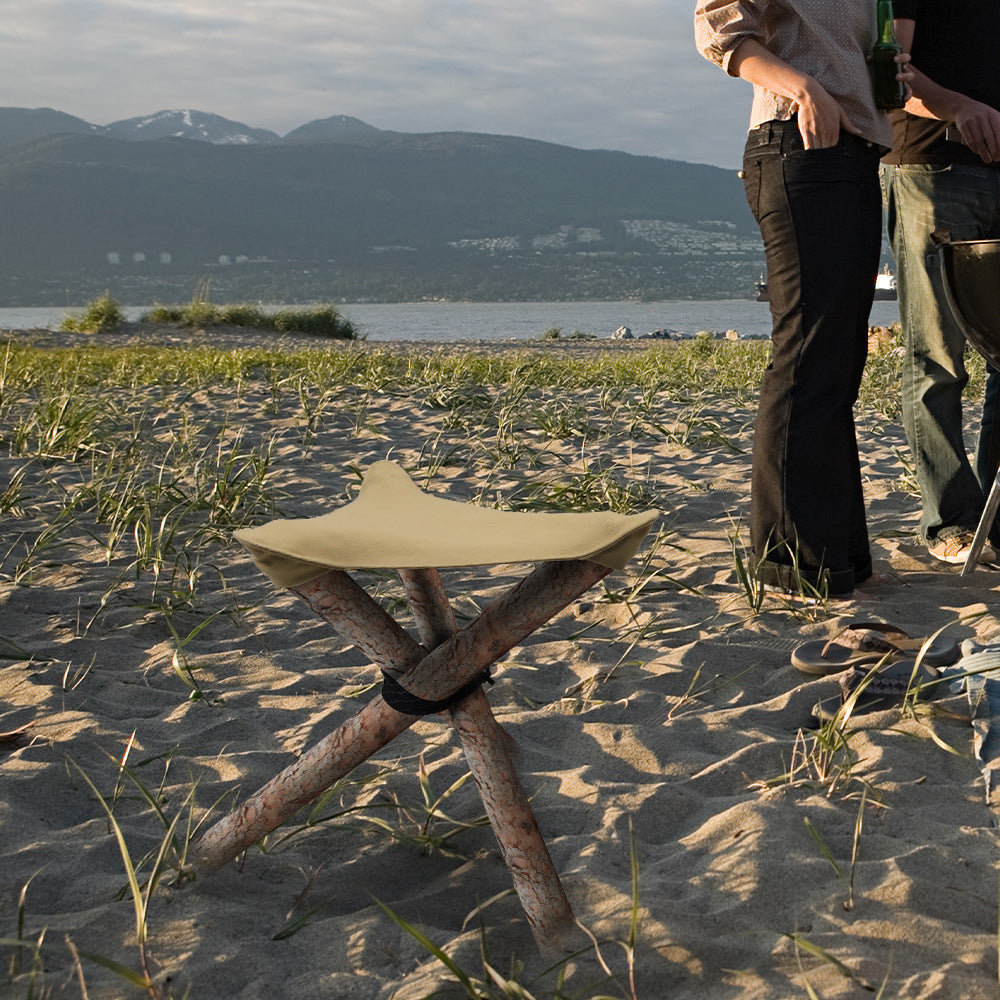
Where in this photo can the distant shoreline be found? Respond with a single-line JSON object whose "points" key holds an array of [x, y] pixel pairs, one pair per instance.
{"points": [[235, 338], [524, 321]]}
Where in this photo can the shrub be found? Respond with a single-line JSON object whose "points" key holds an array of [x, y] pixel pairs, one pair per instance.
{"points": [[163, 314], [322, 320], [101, 314]]}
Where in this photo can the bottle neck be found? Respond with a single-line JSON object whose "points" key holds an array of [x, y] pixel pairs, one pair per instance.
{"points": [[886, 32]]}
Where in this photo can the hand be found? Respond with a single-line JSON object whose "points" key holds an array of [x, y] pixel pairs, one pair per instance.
{"points": [[980, 128], [821, 119], [905, 72]]}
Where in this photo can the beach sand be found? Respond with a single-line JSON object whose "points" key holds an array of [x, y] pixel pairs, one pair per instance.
{"points": [[664, 722]]}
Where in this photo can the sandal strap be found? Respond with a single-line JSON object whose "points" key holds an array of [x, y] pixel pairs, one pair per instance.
{"points": [[887, 682], [879, 686], [867, 637]]}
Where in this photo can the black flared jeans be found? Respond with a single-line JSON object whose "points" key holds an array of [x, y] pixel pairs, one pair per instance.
{"points": [[820, 217]]}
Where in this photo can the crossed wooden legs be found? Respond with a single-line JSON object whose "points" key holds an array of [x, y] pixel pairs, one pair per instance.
{"points": [[455, 658]]}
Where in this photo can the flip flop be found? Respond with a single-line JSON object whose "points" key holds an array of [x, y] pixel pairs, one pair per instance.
{"points": [[869, 642], [866, 689]]}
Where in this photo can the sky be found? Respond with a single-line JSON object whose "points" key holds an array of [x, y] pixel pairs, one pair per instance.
{"points": [[594, 74]]}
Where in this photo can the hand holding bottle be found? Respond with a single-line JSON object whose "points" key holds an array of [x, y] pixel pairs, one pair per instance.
{"points": [[888, 63]]}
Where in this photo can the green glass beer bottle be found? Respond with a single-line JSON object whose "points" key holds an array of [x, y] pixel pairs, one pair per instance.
{"points": [[889, 92]]}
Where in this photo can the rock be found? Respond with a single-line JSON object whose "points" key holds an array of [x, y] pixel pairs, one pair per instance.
{"points": [[622, 333]]}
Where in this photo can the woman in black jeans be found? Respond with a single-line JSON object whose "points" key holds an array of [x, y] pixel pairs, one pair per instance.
{"points": [[810, 170]]}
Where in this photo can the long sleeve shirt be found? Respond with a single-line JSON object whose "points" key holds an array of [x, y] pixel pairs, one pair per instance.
{"points": [[826, 39]]}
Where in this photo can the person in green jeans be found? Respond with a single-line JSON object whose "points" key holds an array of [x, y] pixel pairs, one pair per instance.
{"points": [[943, 175]]}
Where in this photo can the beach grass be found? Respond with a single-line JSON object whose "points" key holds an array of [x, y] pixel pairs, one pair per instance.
{"points": [[160, 477]]}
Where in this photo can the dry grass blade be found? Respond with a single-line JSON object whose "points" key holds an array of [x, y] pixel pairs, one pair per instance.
{"points": [[804, 944], [140, 894]]}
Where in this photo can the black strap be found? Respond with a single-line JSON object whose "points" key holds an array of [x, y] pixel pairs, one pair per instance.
{"points": [[396, 696]]}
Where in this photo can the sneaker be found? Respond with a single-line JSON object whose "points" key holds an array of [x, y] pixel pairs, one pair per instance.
{"points": [[956, 549]]}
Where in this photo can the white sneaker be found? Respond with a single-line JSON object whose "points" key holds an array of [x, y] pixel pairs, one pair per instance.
{"points": [[956, 549]]}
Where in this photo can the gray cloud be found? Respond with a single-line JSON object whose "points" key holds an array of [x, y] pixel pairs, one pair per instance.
{"points": [[582, 72]]}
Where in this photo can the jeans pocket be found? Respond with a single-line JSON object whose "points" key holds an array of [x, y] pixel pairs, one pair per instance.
{"points": [[924, 169], [751, 184]]}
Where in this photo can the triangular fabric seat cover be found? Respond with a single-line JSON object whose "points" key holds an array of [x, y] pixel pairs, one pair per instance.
{"points": [[393, 524]]}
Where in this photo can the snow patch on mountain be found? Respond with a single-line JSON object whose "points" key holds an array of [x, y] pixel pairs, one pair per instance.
{"points": [[200, 126]]}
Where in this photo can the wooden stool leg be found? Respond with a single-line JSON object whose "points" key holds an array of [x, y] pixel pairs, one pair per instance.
{"points": [[429, 603], [487, 749], [337, 599], [307, 778]]}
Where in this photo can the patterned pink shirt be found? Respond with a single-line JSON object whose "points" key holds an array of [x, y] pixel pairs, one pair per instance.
{"points": [[828, 39]]}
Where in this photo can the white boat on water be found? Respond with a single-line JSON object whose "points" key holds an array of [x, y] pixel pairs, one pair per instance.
{"points": [[885, 287]]}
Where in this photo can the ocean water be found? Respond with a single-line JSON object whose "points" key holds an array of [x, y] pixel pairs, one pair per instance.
{"points": [[451, 321]]}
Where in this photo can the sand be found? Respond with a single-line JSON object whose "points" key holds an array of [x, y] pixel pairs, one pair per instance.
{"points": [[666, 723]]}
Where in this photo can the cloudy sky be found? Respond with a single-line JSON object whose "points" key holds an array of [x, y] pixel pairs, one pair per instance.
{"points": [[611, 74]]}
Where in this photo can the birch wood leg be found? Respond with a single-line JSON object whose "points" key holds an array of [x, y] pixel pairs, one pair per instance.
{"points": [[336, 598], [487, 750]]}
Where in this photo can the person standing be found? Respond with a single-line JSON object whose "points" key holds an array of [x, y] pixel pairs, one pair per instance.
{"points": [[943, 175], [810, 170]]}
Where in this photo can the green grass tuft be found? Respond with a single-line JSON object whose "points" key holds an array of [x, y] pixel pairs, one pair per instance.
{"points": [[100, 315]]}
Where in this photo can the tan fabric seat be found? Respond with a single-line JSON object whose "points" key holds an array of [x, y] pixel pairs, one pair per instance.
{"points": [[393, 524]]}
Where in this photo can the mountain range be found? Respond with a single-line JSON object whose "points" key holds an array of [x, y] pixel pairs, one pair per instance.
{"points": [[17, 124], [152, 207]]}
